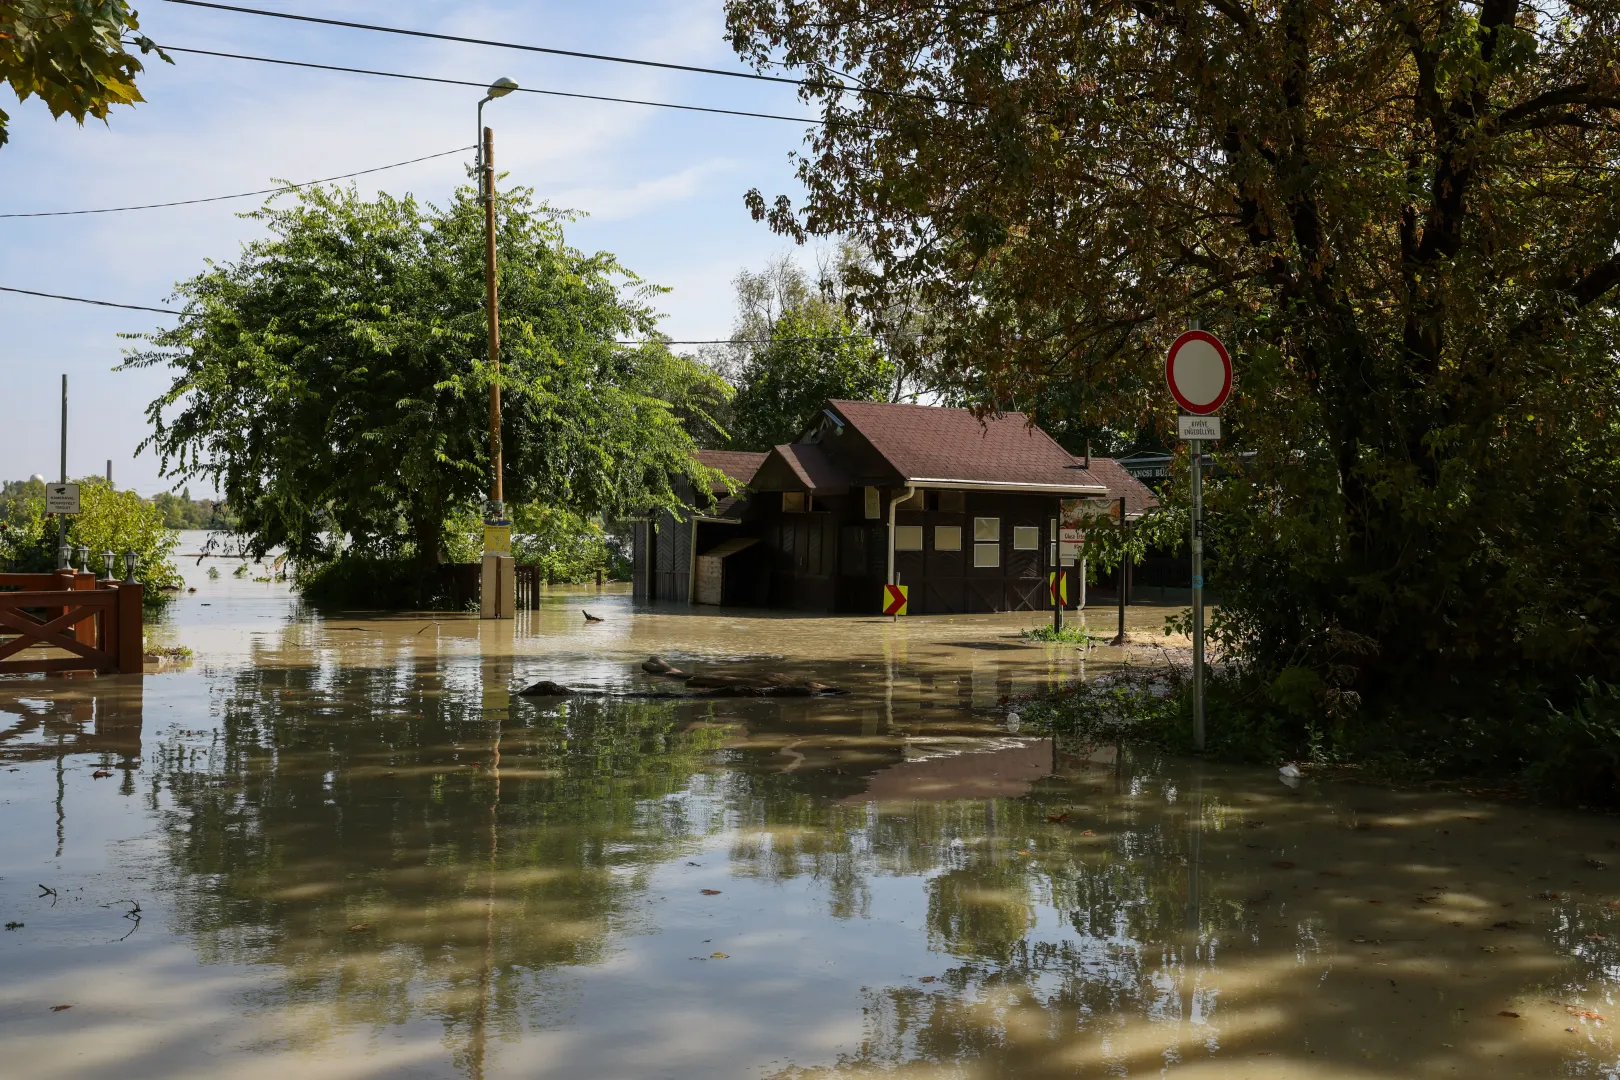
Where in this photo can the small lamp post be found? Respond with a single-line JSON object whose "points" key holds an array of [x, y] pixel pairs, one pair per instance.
{"points": [[64, 556], [82, 553], [107, 565], [129, 567]]}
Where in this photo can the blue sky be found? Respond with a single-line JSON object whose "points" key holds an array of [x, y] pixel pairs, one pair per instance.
{"points": [[663, 189]]}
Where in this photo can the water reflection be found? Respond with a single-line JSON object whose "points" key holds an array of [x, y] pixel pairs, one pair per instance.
{"points": [[387, 864]]}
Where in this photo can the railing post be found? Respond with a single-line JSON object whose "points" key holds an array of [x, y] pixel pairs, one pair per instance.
{"points": [[131, 632]]}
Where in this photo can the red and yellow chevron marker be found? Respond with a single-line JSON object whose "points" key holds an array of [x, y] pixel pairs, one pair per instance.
{"points": [[1057, 582], [894, 599]]}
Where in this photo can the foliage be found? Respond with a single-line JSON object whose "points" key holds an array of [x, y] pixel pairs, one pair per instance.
{"points": [[1401, 219], [794, 346], [110, 520], [1071, 632], [71, 54], [332, 380], [565, 546], [182, 512]]}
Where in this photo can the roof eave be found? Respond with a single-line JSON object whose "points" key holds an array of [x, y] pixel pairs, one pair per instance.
{"points": [[997, 485]]}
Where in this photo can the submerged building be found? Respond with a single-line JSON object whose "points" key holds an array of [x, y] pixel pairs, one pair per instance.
{"points": [[967, 513]]}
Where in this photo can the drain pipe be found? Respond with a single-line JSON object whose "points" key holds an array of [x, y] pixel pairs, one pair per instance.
{"points": [[894, 502]]}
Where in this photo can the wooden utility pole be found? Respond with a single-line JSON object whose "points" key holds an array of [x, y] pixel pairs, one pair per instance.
{"points": [[492, 309]]}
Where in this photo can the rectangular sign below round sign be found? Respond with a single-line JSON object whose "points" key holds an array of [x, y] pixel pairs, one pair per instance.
{"points": [[497, 539], [894, 599], [1205, 428], [61, 498]]}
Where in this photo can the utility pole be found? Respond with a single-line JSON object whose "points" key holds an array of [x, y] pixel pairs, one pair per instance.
{"points": [[497, 494], [497, 580], [63, 561]]}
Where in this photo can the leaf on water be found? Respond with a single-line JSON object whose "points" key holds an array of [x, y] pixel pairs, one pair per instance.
{"points": [[711, 892], [14, 926], [1055, 818], [100, 774], [929, 978], [1549, 896], [1487, 948], [1023, 851], [359, 928], [1087, 832], [59, 1008], [1283, 864], [1588, 1014], [718, 956], [1511, 1015]]}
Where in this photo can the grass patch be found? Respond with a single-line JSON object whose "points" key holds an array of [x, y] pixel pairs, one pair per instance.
{"points": [[1075, 635]]}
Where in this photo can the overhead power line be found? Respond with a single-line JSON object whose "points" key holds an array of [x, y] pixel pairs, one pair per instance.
{"points": [[240, 195], [813, 84], [82, 300], [482, 85], [650, 341]]}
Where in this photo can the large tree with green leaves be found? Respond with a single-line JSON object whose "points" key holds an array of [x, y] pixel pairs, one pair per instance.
{"points": [[1403, 216], [795, 344], [333, 382], [71, 54]]}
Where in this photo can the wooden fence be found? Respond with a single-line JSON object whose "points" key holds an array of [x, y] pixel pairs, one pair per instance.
{"points": [[96, 623]]}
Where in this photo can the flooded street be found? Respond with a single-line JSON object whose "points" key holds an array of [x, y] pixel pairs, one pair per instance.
{"points": [[345, 847]]}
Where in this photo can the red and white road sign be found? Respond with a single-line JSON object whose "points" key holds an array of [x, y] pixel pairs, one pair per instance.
{"points": [[1199, 372], [894, 599]]}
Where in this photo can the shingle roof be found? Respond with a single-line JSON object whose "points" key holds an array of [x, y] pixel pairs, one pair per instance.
{"points": [[933, 446], [818, 475], [1111, 474], [740, 465]]}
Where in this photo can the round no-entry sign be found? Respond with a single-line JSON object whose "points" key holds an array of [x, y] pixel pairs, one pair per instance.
{"points": [[1199, 372]]}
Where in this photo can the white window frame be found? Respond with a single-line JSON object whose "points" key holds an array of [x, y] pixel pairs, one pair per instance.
{"points": [[986, 529], [908, 538], [1026, 538], [952, 542], [986, 555]]}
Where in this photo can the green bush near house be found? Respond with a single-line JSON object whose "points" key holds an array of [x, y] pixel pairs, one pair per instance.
{"points": [[110, 520]]}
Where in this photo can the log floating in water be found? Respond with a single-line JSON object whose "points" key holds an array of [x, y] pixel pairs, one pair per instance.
{"points": [[772, 685]]}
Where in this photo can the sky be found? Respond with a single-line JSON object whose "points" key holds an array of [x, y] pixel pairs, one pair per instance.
{"points": [[663, 189]]}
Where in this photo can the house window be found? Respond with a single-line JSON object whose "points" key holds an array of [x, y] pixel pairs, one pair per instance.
{"points": [[953, 502], [908, 537], [1052, 551], [874, 504], [916, 502], [793, 502], [947, 538], [986, 554], [985, 529], [1026, 538]]}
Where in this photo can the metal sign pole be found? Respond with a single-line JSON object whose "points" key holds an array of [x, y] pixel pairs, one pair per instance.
{"points": [[1198, 592], [63, 562]]}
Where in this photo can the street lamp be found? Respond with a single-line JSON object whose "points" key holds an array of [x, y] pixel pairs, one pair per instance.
{"points": [[495, 580], [486, 191]]}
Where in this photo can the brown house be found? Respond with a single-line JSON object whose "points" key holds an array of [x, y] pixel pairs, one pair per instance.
{"points": [[964, 512]]}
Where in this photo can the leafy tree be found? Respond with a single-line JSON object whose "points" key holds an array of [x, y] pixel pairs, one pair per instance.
{"points": [[109, 520], [332, 381], [793, 347], [1401, 217], [183, 512], [565, 546], [71, 54]]}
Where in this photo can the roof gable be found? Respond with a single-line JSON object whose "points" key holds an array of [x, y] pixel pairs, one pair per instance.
{"points": [[938, 447]]}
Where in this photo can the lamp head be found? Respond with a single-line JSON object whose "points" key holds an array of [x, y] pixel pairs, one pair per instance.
{"points": [[501, 87], [129, 567]]}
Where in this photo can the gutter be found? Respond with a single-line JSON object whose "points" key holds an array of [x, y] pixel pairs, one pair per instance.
{"points": [[911, 489], [991, 485]]}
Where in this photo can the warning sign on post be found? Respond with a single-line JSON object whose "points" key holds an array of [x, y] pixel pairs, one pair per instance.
{"points": [[894, 599], [61, 498]]}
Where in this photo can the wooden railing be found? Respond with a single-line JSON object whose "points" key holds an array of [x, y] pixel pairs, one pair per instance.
{"points": [[98, 624]]}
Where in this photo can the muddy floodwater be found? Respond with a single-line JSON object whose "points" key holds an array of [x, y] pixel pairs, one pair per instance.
{"points": [[343, 847]]}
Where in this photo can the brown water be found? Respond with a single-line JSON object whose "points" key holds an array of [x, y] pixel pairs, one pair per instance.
{"points": [[356, 853]]}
